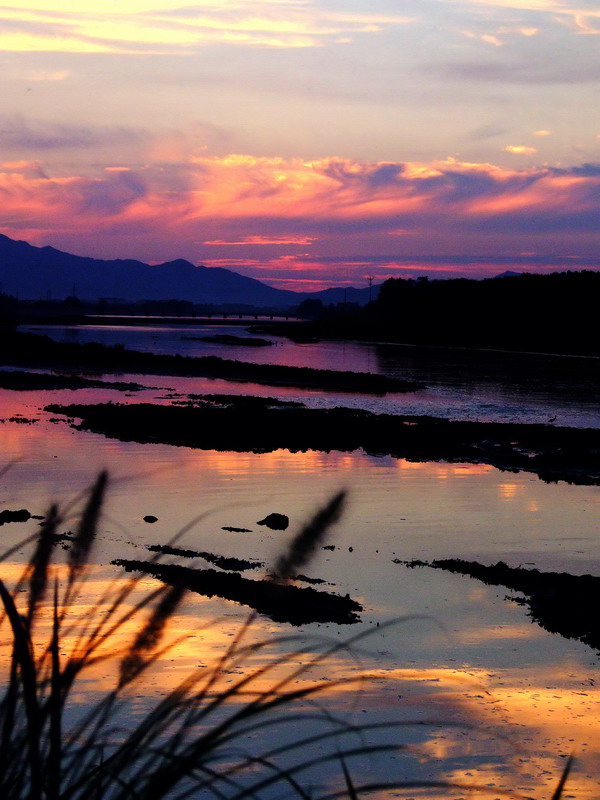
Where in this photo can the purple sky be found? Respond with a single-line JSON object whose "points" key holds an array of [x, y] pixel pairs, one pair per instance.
{"points": [[305, 142]]}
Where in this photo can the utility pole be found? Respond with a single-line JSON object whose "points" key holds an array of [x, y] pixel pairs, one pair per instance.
{"points": [[370, 279]]}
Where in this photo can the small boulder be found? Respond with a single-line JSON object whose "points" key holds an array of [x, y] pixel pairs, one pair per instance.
{"points": [[150, 518], [276, 522], [22, 515]]}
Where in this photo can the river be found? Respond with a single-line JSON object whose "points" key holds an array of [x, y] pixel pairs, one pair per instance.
{"points": [[465, 652]]}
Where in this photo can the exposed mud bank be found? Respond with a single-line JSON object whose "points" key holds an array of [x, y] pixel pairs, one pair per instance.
{"points": [[223, 562], [32, 381], [567, 454], [27, 349], [557, 601], [280, 602]]}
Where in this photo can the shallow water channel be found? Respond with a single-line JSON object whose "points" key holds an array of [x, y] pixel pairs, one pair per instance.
{"points": [[462, 652], [460, 384]]}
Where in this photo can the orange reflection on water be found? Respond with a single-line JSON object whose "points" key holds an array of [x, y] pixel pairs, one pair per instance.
{"points": [[530, 720], [509, 632], [443, 469], [508, 491], [16, 441], [535, 727], [272, 463], [198, 634]]}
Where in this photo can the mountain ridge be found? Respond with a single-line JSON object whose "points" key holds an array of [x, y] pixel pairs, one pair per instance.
{"points": [[33, 273]]}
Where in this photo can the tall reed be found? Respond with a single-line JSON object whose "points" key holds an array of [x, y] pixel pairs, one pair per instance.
{"points": [[195, 742]]}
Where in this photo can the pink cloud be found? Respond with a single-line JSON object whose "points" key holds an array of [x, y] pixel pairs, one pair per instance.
{"points": [[238, 210]]}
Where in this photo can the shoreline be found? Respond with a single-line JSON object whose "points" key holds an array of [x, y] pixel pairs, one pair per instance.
{"points": [[25, 381], [557, 601], [253, 424], [32, 350], [276, 325], [281, 602]]}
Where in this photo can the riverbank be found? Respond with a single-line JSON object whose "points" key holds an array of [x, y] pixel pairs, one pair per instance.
{"points": [[31, 350], [260, 425], [281, 602], [559, 602], [21, 381]]}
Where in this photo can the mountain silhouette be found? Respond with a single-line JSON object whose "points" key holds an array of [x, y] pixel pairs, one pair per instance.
{"points": [[43, 272]]}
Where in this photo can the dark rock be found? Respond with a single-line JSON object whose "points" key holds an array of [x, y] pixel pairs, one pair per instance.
{"points": [[276, 522], [22, 515], [150, 518]]}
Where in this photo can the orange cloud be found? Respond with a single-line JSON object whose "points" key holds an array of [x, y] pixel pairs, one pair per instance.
{"points": [[234, 210], [274, 240]]}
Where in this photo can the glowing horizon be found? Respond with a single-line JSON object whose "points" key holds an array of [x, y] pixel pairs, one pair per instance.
{"points": [[305, 143], [309, 224]]}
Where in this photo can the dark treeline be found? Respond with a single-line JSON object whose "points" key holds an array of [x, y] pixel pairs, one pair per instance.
{"points": [[545, 313], [75, 309], [554, 313]]}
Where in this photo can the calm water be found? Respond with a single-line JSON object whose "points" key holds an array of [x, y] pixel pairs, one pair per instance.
{"points": [[472, 655], [485, 386]]}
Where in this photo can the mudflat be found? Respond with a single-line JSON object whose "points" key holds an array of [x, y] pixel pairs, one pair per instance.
{"points": [[252, 424], [31, 350], [558, 601]]}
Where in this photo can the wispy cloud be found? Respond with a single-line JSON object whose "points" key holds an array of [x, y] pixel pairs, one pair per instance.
{"points": [[21, 134], [279, 241], [582, 16], [136, 26], [534, 71]]}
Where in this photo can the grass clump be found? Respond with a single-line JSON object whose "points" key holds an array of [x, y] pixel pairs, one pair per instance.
{"points": [[196, 741]]}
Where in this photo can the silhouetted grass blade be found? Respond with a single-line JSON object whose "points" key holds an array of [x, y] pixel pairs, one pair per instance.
{"points": [[199, 739], [304, 544], [558, 792]]}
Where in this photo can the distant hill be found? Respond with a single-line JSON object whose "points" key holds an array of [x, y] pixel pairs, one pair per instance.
{"points": [[44, 272]]}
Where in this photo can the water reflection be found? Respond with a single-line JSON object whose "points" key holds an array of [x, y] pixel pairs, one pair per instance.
{"points": [[471, 655], [462, 384], [505, 728], [403, 509]]}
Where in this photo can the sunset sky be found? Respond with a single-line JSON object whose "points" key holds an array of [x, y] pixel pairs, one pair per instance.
{"points": [[306, 143]]}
